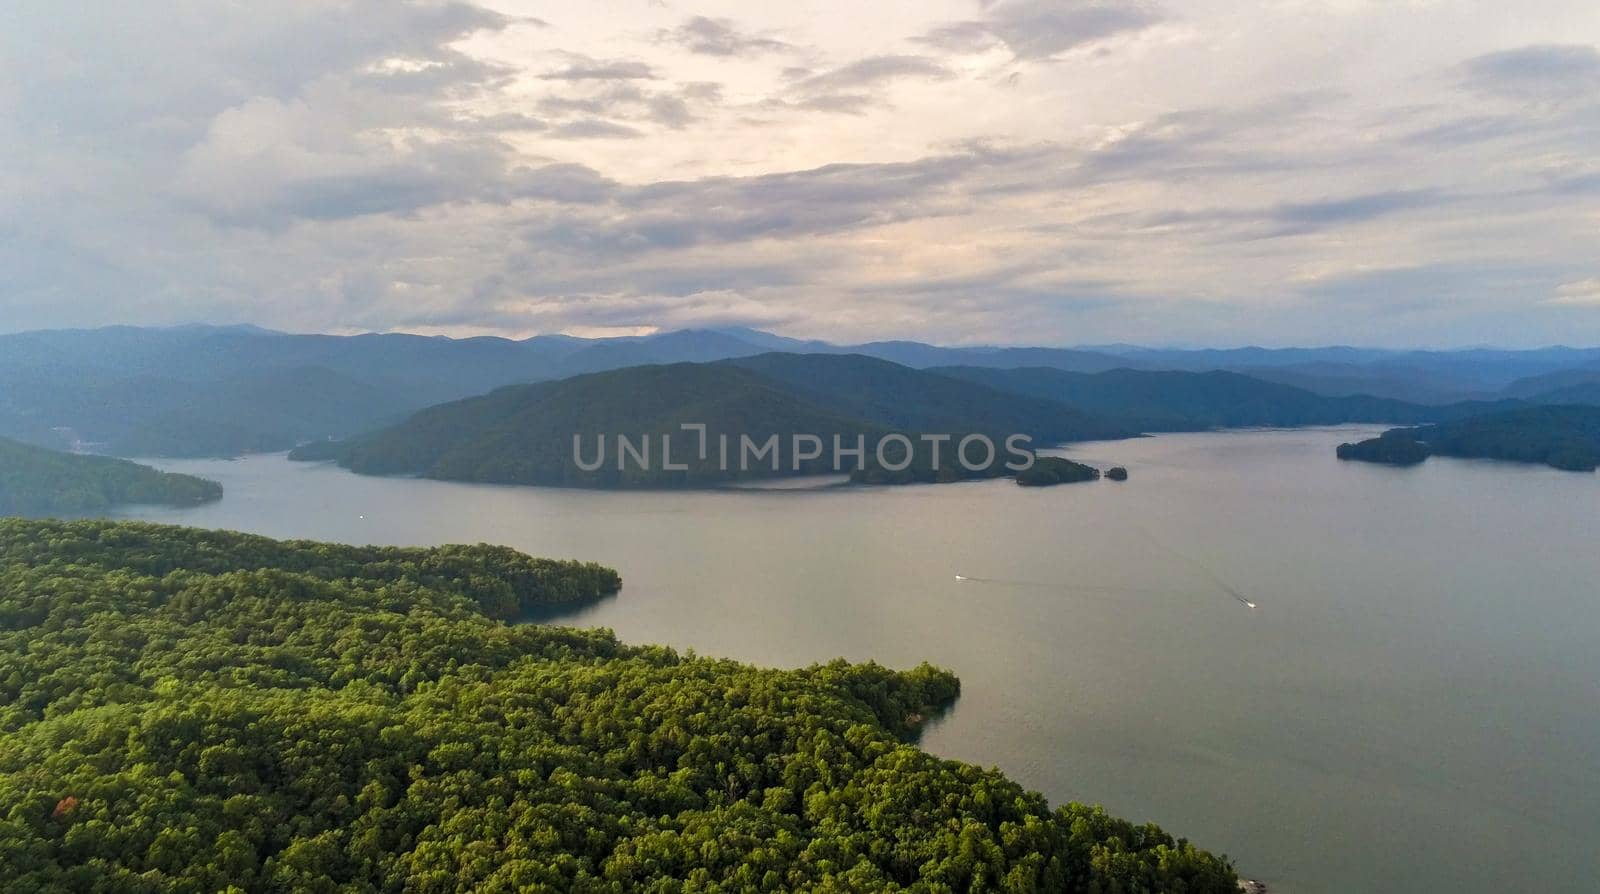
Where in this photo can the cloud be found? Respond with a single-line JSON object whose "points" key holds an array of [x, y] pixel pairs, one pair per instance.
{"points": [[718, 211], [1301, 217], [610, 106], [873, 71], [1582, 293], [858, 86], [1544, 71], [585, 68], [595, 129], [382, 163], [1040, 29], [720, 37], [1293, 218]]}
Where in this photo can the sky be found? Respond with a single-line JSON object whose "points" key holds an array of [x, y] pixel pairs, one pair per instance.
{"points": [[1395, 173]]}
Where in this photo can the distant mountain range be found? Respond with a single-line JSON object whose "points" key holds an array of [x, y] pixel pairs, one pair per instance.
{"points": [[218, 391]]}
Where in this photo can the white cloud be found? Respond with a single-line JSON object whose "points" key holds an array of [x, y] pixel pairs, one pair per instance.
{"points": [[1582, 293]]}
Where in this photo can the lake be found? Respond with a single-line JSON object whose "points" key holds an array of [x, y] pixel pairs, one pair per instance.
{"points": [[1413, 705]]}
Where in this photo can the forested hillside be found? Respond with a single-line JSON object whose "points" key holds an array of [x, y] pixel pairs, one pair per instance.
{"points": [[911, 400], [1189, 401], [197, 711], [523, 434], [36, 481], [1566, 437]]}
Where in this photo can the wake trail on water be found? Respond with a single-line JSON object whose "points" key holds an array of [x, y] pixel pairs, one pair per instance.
{"points": [[1044, 585], [1200, 566]]}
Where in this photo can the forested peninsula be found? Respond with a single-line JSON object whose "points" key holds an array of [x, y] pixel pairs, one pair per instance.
{"points": [[525, 434], [1564, 437], [186, 710], [36, 481]]}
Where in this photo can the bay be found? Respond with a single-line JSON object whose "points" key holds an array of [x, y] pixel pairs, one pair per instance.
{"points": [[1412, 705]]}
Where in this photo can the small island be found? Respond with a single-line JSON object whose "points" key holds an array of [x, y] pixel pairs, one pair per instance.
{"points": [[1117, 473], [36, 481], [1051, 470]]}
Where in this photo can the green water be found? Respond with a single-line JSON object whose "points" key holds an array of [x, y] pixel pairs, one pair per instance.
{"points": [[1413, 706]]}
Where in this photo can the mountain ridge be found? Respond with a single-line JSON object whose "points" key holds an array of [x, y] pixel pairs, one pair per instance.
{"points": [[135, 391]]}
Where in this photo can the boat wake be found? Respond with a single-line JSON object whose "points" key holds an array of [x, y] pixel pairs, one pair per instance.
{"points": [[1205, 570], [1070, 588], [1202, 567]]}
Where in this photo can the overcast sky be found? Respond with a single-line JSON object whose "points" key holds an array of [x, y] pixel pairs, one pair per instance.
{"points": [[1014, 171]]}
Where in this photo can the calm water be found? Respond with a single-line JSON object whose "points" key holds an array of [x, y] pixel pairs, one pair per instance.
{"points": [[1414, 706]]}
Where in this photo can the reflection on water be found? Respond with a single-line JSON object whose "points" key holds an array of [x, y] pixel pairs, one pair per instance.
{"points": [[1411, 706]]}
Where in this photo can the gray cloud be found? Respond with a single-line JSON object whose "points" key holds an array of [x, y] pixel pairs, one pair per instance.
{"points": [[1039, 29], [872, 71], [616, 103], [1283, 219], [1302, 217], [1546, 71], [1249, 139], [857, 86], [721, 37], [595, 129], [365, 164], [584, 68]]}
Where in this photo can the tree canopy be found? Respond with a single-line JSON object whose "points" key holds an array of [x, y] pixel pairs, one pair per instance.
{"points": [[36, 481], [524, 434], [1048, 470], [1566, 437], [201, 711]]}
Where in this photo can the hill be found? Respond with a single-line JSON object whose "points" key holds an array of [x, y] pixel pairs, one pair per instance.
{"points": [[1581, 393], [1189, 401], [905, 399], [36, 481], [203, 711], [222, 391], [1566, 437], [524, 434], [1537, 387]]}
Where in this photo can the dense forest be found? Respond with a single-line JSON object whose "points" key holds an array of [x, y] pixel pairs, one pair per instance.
{"points": [[201, 711], [36, 481], [1049, 470], [1196, 401], [909, 400], [524, 434], [1396, 447], [1566, 437]]}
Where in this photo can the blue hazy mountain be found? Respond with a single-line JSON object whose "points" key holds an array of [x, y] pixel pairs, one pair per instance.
{"points": [[1167, 400], [223, 390]]}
